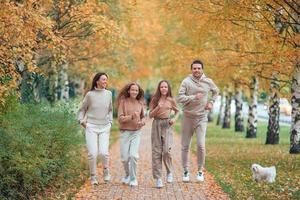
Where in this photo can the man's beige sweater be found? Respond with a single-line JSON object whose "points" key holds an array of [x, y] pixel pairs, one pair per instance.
{"points": [[189, 87], [96, 107]]}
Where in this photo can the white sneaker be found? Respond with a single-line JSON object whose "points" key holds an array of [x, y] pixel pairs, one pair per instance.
{"points": [[126, 180], [159, 183], [106, 175], [133, 183], [94, 180], [186, 176], [200, 176], [169, 178]]}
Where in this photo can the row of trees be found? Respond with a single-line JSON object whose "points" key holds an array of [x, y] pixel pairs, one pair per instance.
{"points": [[243, 43], [49, 47]]}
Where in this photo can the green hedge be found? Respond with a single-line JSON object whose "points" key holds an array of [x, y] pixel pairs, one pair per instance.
{"points": [[37, 144]]}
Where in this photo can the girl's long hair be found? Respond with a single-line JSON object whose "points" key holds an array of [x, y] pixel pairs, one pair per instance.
{"points": [[124, 93], [157, 95], [96, 78]]}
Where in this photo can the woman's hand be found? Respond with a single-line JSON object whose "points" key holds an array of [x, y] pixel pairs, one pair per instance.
{"points": [[83, 124]]}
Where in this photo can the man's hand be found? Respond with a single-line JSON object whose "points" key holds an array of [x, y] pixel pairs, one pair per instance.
{"points": [[198, 96], [209, 106]]}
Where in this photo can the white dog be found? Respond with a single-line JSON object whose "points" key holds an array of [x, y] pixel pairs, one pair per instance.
{"points": [[263, 174]]}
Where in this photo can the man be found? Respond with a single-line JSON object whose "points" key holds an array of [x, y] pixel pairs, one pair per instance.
{"points": [[194, 96]]}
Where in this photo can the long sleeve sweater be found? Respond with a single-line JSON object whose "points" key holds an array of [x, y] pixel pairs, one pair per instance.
{"points": [[164, 111], [127, 119], [97, 107], [189, 87]]}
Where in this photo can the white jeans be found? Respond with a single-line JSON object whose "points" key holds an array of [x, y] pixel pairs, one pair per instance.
{"points": [[129, 144], [97, 141]]}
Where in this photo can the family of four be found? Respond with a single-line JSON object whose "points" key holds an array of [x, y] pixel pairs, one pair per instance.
{"points": [[95, 115]]}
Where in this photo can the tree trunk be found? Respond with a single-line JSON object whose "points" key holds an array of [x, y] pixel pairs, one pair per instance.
{"points": [[295, 127], [221, 110], [63, 83], [79, 86], [52, 83], [30, 84], [239, 120], [252, 115], [26, 89], [227, 116], [209, 116], [273, 124]]}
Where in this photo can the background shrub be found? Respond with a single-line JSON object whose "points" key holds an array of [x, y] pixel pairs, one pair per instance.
{"points": [[37, 144]]}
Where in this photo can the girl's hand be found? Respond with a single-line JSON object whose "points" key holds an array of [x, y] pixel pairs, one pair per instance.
{"points": [[135, 115], [160, 104], [171, 121], [140, 124]]}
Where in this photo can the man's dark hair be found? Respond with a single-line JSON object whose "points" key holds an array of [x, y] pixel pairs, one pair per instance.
{"points": [[197, 62]]}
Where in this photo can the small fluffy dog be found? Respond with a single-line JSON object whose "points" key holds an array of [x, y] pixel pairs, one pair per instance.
{"points": [[263, 174]]}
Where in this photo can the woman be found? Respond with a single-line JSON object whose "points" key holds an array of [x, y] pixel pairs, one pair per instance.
{"points": [[161, 106], [130, 103], [95, 115]]}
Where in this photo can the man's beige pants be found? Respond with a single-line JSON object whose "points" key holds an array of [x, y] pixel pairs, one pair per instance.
{"points": [[189, 126]]}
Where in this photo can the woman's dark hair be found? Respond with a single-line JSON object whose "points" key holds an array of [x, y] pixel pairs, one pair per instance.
{"points": [[96, 78], [197, 62], [157, 95], [124, 93]]}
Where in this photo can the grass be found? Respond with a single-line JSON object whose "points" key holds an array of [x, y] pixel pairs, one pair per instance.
{"points": [[230, 156]]}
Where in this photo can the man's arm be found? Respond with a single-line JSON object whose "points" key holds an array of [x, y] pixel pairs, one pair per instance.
{"points": [[215, 91], [182, 97]]}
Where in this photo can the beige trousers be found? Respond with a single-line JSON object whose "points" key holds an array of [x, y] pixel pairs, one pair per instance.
{"points": [[162, 139], [189, 126], [129, 144]]}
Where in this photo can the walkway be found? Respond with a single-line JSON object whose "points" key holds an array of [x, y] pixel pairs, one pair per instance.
{"points": [[146, 188]]}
